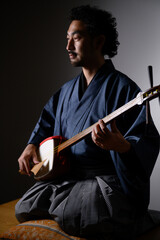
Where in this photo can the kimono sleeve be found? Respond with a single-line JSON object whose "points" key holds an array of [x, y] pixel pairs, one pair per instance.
{"points": [[45, 125], [145, 144], [135, 167]]}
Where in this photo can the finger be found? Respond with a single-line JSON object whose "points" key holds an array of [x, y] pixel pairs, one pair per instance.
{"points": [[35, 159], [97, 131], [103, 127], [24, 165], [94, 134], [27, 167], [22, 169], [114, 126], [96, 138], [22, 172]]}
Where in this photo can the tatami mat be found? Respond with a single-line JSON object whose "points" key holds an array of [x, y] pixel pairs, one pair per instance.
{"points": [[7, 216]]}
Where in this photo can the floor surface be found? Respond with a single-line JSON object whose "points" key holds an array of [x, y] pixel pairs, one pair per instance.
{"points": [[7, 216]]}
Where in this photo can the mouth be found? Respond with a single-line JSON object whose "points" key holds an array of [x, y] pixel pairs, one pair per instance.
{"points": [[72, 55]]}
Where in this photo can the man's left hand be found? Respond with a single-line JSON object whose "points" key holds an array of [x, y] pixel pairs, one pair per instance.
{"points": [[109, 139]]}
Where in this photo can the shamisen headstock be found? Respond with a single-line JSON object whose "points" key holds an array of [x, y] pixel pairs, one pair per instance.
{"points": [[149, 94]]}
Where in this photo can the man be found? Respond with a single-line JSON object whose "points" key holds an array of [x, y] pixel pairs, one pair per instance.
{"points": [[106, 194]]}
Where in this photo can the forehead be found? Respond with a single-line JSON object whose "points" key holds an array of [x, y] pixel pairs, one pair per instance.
{"points": [[77, 26]]}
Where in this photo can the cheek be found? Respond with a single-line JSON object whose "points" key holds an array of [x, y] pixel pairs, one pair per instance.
{"points": [[79, 47], [85, 49], [88, 47]]}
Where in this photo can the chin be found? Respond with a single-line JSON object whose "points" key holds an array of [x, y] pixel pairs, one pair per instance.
{"points": [[76, 64]]}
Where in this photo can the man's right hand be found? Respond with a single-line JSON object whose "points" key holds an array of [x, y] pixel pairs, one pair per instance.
{"points": [[28, 156]]}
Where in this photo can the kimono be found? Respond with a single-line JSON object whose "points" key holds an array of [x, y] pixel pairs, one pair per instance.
{"points": [[105, 191]]}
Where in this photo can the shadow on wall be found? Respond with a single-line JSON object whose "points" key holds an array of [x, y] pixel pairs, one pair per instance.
{"points": [[33, 54]]}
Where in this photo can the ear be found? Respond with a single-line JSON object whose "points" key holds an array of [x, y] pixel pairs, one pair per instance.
{"points": [[99, 42]]}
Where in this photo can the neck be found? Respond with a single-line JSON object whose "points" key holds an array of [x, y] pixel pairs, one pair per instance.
{"points": [[90, 71]]}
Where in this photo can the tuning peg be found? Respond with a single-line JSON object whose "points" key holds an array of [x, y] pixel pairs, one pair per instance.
{"points": [[150, 71]]}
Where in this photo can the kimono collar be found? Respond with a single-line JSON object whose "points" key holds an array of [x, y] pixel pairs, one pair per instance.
{"points": [[107, 67]]}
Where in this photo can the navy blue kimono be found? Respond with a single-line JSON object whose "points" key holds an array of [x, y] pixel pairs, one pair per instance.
{"points": [[106, 189]]}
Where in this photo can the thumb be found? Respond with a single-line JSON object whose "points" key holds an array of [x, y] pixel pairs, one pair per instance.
{"points": [[35, 159]]}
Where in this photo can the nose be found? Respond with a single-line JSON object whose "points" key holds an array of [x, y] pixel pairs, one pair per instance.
{"points": [[70, 44]]}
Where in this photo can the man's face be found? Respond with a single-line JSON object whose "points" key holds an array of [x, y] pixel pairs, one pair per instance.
{"points": [[80, 46]]}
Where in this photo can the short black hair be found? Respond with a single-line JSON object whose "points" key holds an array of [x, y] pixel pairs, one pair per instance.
{"points": [[98, 22]]}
